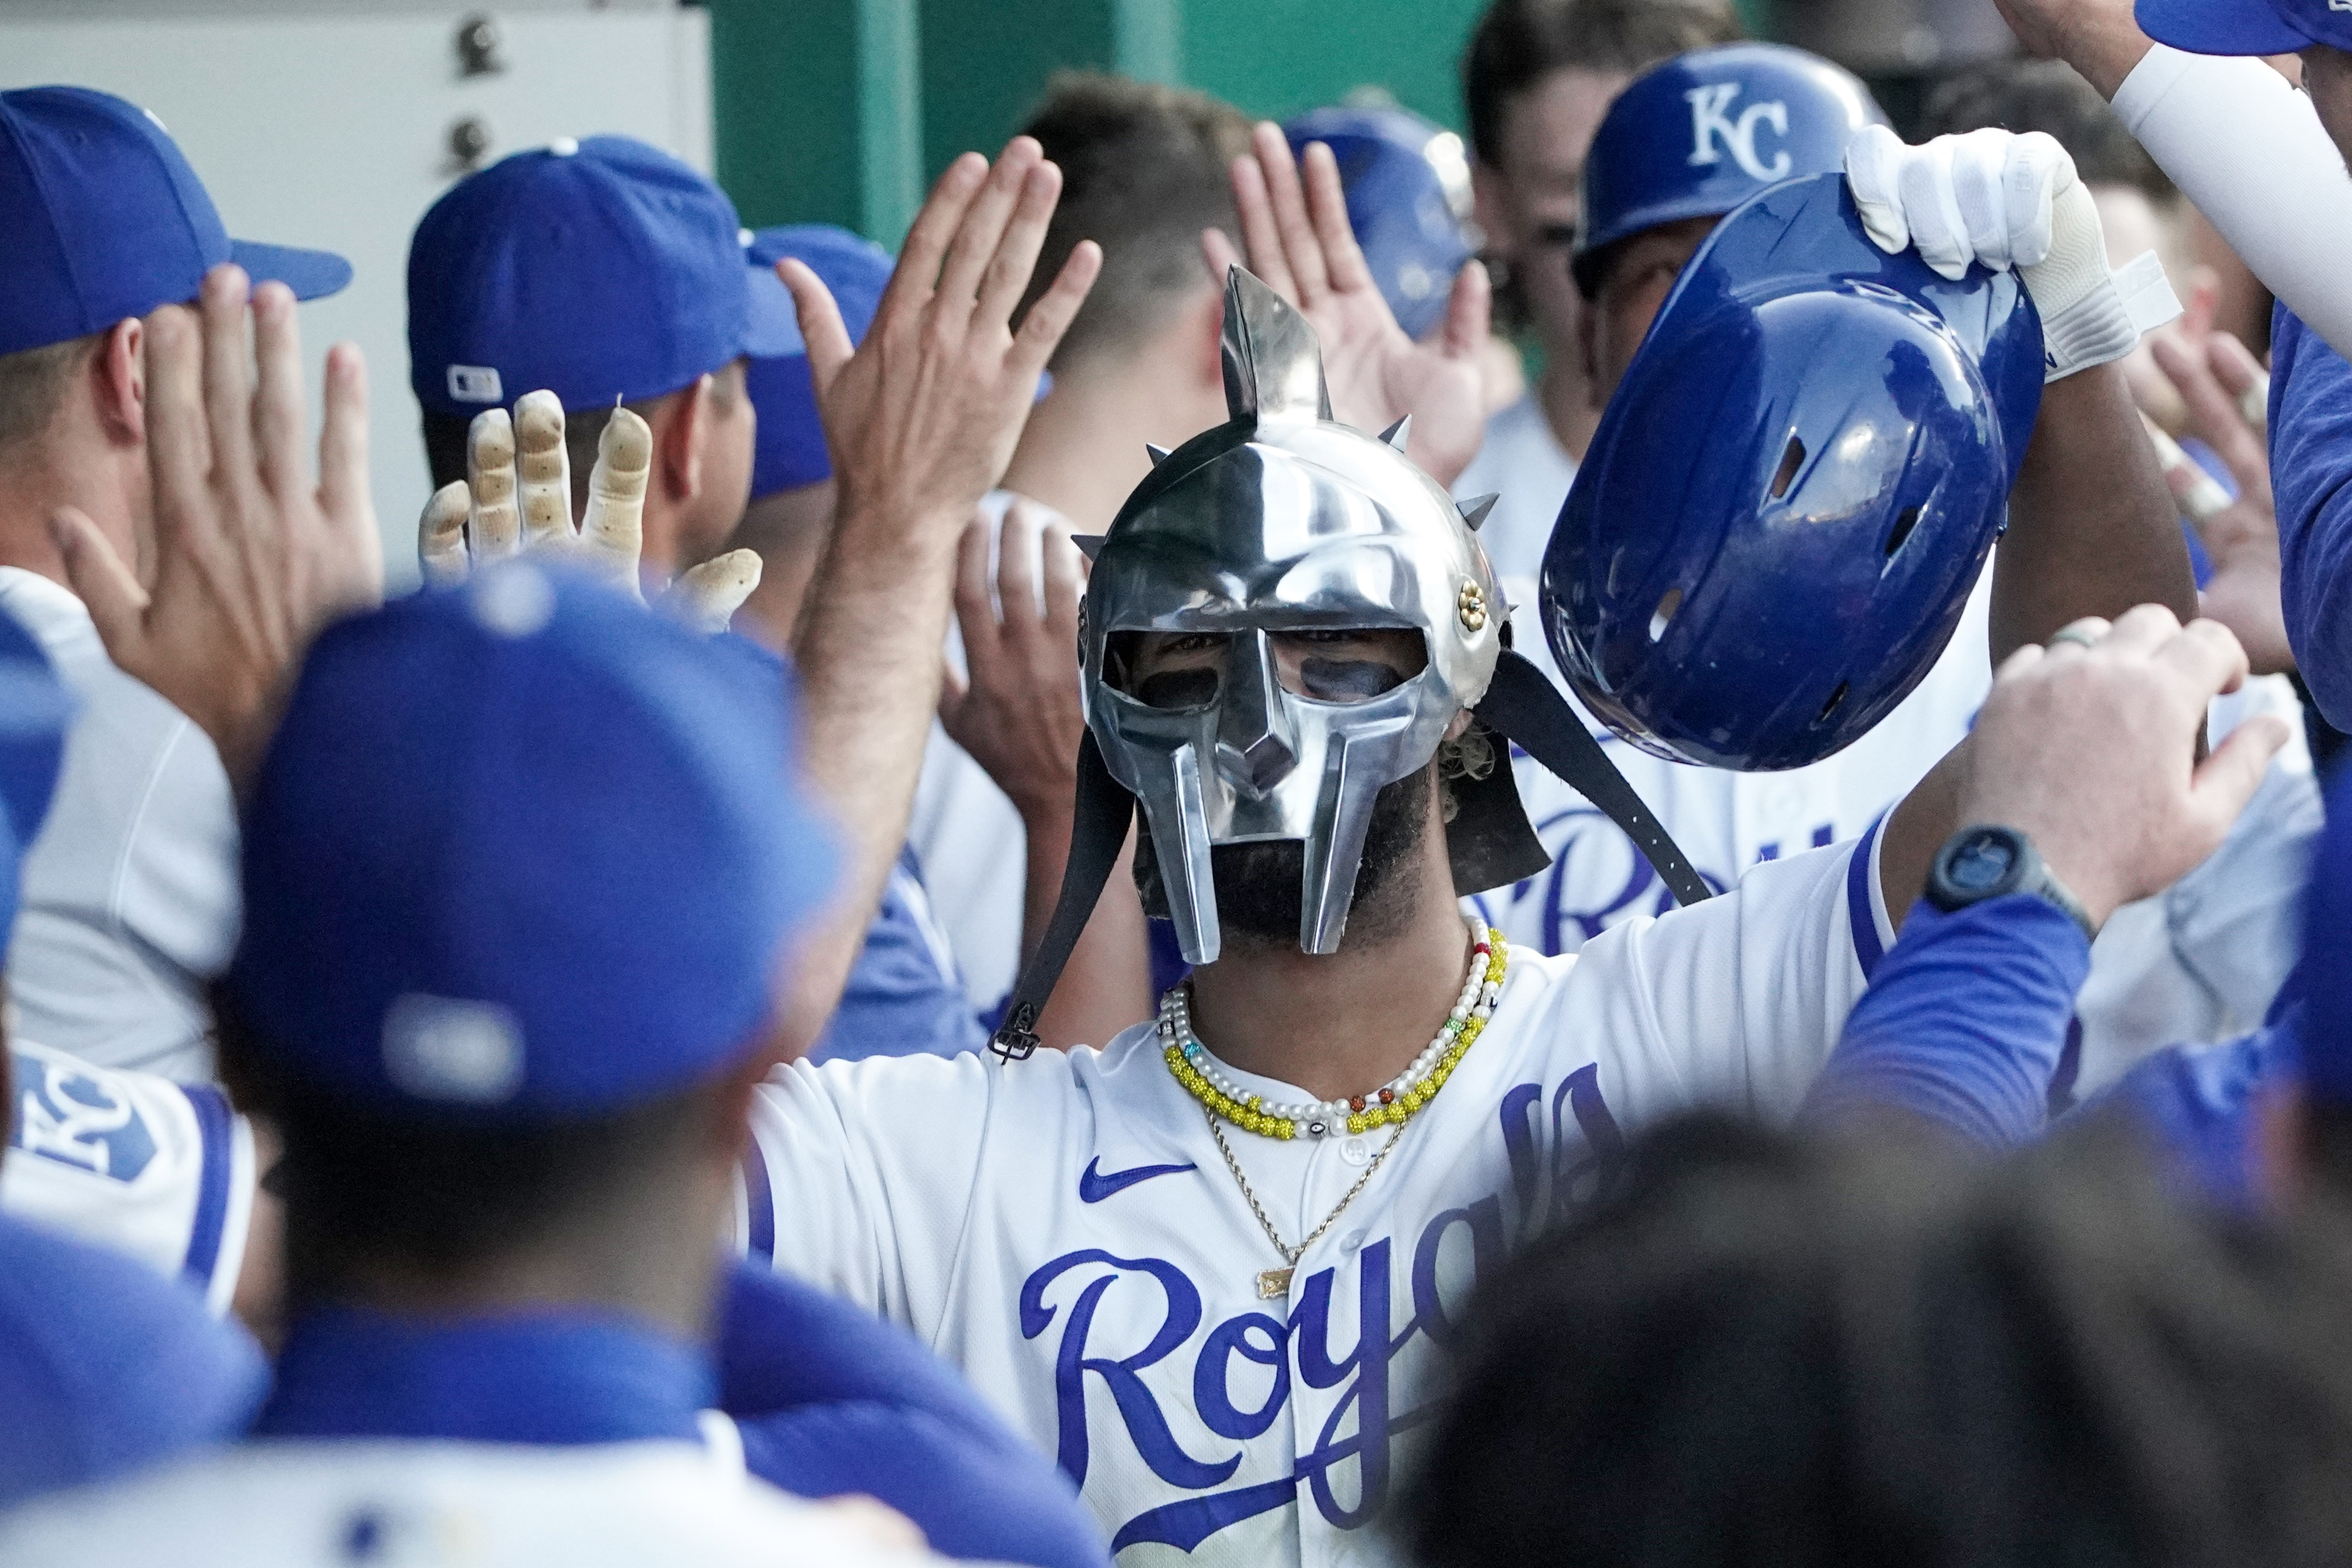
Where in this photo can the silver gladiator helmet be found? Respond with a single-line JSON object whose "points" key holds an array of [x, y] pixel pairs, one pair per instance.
{"points": [[1283, 519]]}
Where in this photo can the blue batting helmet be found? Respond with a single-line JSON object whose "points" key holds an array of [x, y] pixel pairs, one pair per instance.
{"points": [[1794, 489], [1408, 185], [1696, 135]]}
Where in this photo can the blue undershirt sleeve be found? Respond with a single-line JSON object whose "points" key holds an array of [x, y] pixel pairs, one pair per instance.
{"points": [[1964, 1023], [2311, 478]]}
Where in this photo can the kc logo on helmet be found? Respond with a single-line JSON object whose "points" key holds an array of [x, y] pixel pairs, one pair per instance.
{"points": [[1712, 130]]}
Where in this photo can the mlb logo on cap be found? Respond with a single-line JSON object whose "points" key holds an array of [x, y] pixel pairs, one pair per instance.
{"points": [[104, 220]]}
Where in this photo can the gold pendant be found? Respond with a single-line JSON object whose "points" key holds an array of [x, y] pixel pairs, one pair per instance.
{"points": [[1273, 1284]]}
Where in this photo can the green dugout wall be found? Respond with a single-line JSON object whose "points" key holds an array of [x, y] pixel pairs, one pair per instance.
{"points": [[842, 111]]}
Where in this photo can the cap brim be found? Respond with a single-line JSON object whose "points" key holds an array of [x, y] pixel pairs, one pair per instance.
{"points": [[2219, 27], [773, 330], [311, 273]]}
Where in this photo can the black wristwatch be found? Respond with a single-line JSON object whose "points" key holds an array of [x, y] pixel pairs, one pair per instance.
{"points": [[1988, 862]]}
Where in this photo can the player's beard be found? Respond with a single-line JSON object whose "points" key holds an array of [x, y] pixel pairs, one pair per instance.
{"points": [[1261, 888]]}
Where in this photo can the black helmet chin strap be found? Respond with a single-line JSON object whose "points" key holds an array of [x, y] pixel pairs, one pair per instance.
{"points": [[1097, 832], [1523, 705]]}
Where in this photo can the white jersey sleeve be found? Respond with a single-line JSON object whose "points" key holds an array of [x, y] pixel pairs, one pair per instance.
{"points": [[860, 1173], [1733, 1003], [160, 1171]]}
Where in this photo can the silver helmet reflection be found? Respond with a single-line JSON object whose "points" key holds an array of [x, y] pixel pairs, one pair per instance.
{"points": [[1281, 519]]}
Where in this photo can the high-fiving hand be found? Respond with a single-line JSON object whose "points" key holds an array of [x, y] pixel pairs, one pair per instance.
{"points": [[921, 417], [2216, 376], [2089, 747], [253, 555], [517, 497], [1017, 711], [1301, 245]]}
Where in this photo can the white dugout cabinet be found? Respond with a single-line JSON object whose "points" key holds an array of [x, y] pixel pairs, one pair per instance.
{"points": [[315, 123]]}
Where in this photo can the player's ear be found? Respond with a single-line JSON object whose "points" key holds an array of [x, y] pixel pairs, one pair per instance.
{"points": [[118, 379], [682, 438]]}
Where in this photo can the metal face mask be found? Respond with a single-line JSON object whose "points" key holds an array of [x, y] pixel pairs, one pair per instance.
{"points": [[1280, 520]]}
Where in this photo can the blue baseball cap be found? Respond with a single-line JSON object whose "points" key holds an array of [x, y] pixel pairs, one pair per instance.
{"points": [[791, 451], [599, 270], [105, 221], [522, 853], [34, 708], [1695, 136], [2246, 26], [1408, 186]]}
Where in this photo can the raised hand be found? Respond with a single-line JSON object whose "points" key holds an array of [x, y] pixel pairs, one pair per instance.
{"points": [[1020, 717], [1300, 243], [1999, 200], [2090, 751], [1017, 711], [2215, 377], [253, 553], [921, 418], [2100, 38], [517, 497]]}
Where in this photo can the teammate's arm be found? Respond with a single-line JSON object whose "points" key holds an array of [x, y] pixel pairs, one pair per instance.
{"points": [[921, 420], [2091, 752]]}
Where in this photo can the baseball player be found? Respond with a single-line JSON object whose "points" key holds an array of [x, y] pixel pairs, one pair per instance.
{"points": [[1686, 143], [1212, 1266], [130, 897], [1536, 80], [106, 1363], [482, 1183]]}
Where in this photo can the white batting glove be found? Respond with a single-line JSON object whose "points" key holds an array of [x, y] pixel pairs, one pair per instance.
{"points": [[2005, 201], [517, 497]]}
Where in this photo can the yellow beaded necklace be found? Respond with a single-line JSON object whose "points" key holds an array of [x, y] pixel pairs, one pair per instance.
{"points": [[1393, 1104]]}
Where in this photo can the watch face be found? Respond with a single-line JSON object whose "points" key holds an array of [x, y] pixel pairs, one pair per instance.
{"points": [[1982, 863]]}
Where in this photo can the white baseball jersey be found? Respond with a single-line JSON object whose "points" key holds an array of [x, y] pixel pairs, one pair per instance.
{"points": [[309, 1504], [131, 902], [1066, 1230], [158, 1170]]}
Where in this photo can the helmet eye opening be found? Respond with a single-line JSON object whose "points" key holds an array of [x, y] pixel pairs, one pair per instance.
{"points": [[1792, 457]]}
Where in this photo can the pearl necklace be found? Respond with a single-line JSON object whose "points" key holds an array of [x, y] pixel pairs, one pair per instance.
{"points": [[1204, 1078]]}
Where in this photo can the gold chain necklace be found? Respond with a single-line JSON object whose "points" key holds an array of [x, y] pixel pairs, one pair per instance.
{"points": [[1273, 1284]]}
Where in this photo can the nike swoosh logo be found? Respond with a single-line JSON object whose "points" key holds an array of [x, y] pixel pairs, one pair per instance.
{"points": [[1094, 1186]]}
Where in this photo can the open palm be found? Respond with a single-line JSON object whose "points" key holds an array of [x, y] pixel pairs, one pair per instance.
{"points": [[1299, 242]]}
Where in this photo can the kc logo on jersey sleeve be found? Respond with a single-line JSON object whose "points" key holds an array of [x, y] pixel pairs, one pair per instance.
{"points": [[70, 1116]]}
